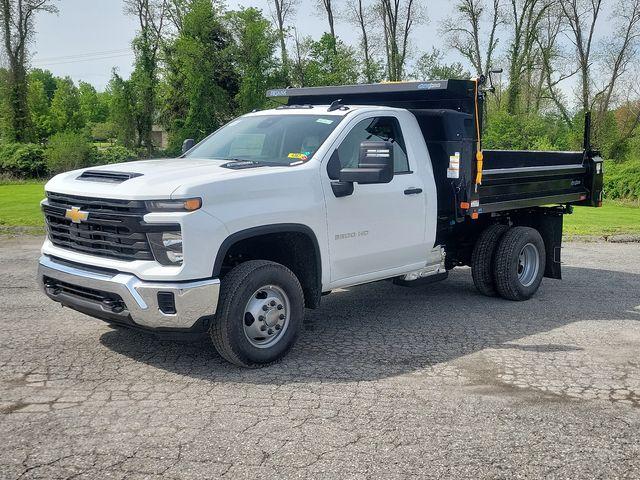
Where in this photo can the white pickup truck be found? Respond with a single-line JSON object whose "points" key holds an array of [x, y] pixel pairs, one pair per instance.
{"points": [[339, 186]]}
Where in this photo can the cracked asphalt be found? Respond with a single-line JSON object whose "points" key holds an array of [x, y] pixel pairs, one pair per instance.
{"points": [[385, 382]]}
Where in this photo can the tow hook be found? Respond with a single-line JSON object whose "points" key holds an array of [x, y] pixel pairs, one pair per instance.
{"points": [[52, 288], [116, 306]]}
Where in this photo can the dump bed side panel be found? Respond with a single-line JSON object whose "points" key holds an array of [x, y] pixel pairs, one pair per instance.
{"points": [[519, 179]]}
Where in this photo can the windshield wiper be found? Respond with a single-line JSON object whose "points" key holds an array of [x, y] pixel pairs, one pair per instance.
{"points": [[238, 163]]}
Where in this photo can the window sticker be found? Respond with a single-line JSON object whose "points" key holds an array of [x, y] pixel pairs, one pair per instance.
{"points": [[298, 156], [326, 121]]}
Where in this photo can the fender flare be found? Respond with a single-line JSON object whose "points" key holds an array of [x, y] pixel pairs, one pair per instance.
{"points": [[264, 230]]}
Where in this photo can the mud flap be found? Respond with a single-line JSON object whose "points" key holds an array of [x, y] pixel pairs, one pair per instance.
{"points": [[550, 228]]}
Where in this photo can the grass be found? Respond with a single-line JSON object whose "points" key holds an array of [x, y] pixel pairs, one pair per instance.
{"points": [[20, 207], [20, 204], [613, 218]]}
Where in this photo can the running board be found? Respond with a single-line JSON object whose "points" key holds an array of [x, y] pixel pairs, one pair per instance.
{"points": [[433, 278]]}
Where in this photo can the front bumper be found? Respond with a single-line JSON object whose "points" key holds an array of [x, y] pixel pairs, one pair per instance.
{"points": [[123, 298]]}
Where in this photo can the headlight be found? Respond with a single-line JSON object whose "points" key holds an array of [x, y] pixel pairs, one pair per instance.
{"points": [[184, 205], [167, 247]]}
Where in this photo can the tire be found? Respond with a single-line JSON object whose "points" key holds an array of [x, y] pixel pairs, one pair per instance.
{"points": [[482, 259], [519, 263], [248, 289]]}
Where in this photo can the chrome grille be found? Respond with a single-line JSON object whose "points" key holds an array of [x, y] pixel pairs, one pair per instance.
{"points": [[113, 228]]}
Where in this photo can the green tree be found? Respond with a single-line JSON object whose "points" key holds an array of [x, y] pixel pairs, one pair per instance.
{"points": [[431, 66], [327, 61], [39, 109], [201, 81], [151, 16], [253, 54], [6, 127], [122, 104], [17, 28], [48, 80], [93, 106], [65, 107]]}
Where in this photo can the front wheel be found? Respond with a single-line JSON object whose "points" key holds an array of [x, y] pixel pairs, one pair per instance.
{"points": [[259, 313], [519, 263]]}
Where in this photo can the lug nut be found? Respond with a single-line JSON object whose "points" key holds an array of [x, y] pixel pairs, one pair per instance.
{"points": [[270, 332], [273, 303], [278, 327], [265, 308], [281, 317], [261, 318], [280, 307], [263, 328]]}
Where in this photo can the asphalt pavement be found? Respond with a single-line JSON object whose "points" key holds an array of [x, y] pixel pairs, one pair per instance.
{"points": [[385, 382]]}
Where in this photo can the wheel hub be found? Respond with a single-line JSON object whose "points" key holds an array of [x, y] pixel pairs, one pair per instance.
{"points": [[266, 316], [528, 264]]}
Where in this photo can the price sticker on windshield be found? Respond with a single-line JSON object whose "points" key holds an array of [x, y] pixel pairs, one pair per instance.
{"points": [[298, 156]]}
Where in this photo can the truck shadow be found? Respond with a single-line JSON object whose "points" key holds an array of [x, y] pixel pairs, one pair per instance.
{"points": [[381, 330]]}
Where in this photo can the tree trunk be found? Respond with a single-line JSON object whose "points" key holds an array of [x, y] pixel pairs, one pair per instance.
{"points": [[18, 91]]}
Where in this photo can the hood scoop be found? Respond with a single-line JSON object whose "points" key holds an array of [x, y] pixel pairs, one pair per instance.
{"points": [[105, 176]]}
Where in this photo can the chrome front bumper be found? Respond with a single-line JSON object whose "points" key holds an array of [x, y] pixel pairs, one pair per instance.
{"points": [[83, 288]]}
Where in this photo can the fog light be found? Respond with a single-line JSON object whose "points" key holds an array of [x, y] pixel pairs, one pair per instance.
{"points": [[167, 247], [172, 242]]}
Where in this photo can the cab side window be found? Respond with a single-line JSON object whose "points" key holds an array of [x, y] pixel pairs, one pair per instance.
{"points": [[373, 129]]}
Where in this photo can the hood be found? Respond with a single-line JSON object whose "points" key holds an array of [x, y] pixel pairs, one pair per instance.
{"points": [[148, 179]]}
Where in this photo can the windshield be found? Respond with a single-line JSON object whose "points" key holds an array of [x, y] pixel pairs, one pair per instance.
{"points": [[271, 139]]}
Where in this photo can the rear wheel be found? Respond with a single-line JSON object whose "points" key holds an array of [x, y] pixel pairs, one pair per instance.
{"points": [[519, 263], [482, 259], [259, 313]]}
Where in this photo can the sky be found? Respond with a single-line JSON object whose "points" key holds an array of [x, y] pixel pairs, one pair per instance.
{"points": [[88, 38]]}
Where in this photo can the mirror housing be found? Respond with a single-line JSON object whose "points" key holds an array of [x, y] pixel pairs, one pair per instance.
{"points": [[188, 145], [375, 164]]}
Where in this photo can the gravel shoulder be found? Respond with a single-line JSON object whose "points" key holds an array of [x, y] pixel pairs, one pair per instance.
{"points": [[385, 382]]}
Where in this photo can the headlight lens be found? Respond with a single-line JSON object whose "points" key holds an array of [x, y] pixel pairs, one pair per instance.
{"points": [[167, 247], [184, 205]]}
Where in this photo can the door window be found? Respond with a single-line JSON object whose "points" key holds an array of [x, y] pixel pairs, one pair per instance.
{"points": [[374, 129]]}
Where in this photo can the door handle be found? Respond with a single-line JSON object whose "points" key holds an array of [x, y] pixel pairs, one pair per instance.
{"points": [[412, 191]]}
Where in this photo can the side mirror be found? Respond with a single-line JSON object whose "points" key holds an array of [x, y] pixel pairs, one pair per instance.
{"points": [[375, 164], [188, 145]]}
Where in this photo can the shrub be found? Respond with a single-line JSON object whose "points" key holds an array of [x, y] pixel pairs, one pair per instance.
{"points": [[113, 154], [622, 180], [69, 150], [7, 150], [23, 160], [103, 131]]}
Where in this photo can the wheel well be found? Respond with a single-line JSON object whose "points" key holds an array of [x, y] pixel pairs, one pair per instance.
{"points": [[296, 250]]}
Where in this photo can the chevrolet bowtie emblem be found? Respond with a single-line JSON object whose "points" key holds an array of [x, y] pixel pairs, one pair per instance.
{"points": [[76, 215]]}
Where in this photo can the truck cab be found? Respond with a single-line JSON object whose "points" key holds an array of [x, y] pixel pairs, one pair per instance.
{"points": [[337, 187]]}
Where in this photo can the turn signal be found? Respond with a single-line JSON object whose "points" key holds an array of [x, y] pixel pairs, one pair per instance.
{"points": [[192, 204]]}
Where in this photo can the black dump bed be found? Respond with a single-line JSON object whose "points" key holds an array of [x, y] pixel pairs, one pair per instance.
{"points": [[446, 112]]}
